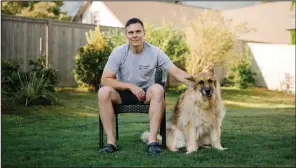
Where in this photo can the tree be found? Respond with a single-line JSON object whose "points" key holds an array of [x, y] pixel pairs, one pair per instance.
{"points": [[13, 7], [48, 10], [210, 40]]}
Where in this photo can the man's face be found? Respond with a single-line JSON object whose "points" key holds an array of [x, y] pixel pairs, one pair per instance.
{"points": [[135, 34]]}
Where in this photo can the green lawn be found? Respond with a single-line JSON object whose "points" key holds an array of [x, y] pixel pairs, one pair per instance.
{"points": [[258, 130]]}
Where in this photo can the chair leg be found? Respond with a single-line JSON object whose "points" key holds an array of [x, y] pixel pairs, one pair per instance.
{"points": [[163, 130], [116, 123], [101, 134]]}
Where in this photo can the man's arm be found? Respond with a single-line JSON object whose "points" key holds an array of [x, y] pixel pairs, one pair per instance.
{"points": [[109, 79], [180, 75], [167, 65]]}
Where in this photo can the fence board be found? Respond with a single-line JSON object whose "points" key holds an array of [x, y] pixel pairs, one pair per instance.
{"points": [[20, 40], [60, 41], [66, 39]]}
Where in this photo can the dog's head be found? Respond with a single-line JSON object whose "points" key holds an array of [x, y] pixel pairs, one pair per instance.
{"points": [[205, 82]]}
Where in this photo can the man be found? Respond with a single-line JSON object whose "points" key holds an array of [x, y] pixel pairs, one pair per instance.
{"points": [[128, 78]]}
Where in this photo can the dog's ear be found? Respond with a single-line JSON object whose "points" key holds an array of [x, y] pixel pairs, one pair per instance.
{"points": [[211, 68]]}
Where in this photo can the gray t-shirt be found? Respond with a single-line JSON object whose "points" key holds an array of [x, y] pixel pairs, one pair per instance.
{"points": [[138, 69]]}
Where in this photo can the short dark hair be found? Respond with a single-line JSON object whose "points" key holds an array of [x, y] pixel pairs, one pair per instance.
{"points": [[133, 21]]}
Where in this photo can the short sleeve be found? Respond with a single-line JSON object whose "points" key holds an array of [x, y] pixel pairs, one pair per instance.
{"points": [[164, 61], [113, 62]]}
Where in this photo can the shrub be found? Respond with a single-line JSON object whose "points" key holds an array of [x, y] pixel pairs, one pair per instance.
{"points": [[36, 86], [9, 71], [241, 74], [293, 38], [91, 59], [210, 40], [39, 67], [228, 81], [171, 40], [288, 83], [114, 37], [33, 89]]}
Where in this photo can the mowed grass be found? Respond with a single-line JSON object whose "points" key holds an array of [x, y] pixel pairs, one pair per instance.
{"points": [[258, 130]]}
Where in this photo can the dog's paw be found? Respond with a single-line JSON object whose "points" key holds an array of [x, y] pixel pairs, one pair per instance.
{"points": [[206, 146], [191, 149], [188, 152], [220, 148], [174, 150]]}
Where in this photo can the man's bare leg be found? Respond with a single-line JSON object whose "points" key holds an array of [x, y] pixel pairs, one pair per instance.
{"points": [[107, 95], [155, 95]]}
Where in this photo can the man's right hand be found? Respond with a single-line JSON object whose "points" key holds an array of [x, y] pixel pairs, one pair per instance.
{"points": [[138, 92]]}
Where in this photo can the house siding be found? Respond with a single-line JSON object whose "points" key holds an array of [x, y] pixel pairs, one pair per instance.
{"points": [[106, 17], [268, 26]]}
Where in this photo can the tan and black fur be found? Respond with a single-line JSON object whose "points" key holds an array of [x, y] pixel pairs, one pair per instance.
{"points": [[197, 117]]}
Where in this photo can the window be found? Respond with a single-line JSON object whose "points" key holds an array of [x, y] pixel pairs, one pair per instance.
{"points": [[95, 17]]}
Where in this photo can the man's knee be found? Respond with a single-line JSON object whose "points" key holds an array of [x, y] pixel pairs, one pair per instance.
{"points": [[104, 93], [157, 92]]}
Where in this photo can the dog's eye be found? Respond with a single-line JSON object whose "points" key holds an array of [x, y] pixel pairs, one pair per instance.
{"points": [[210, 81], [201, 82]]}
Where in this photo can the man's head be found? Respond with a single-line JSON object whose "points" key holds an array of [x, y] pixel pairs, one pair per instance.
{"points": [[134, 31]]}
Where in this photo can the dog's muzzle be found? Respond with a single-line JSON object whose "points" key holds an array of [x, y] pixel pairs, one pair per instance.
{"points": [[206, 91]]}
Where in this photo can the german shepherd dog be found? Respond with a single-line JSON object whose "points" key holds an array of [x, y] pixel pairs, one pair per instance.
{"points": [[197, 117]]}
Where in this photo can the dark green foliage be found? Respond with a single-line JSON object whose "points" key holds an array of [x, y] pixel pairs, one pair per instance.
{"points": [[36, 86], [114, 38], [241, 76], [90, 63], [36, 9], [293, 38], [9, 69], [171, 40], [9, 72], [34, 89], [39, 67]]}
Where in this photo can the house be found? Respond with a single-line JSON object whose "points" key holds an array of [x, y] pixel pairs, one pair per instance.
{"points": [[271, 22], [272, 55], [268, 26], [116, 13]]}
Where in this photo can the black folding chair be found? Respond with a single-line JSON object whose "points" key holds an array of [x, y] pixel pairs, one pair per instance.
{"points": [[143, 108]]}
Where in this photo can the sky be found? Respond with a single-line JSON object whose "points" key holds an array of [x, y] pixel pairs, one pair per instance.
{"points": [[72, 6]]}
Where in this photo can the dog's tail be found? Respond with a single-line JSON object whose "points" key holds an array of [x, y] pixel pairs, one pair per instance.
{"points": [[145, 137]]}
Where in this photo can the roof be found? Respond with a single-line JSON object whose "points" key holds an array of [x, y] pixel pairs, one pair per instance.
{"points": [[271, 21], [82, 8], [153, 11], [149, 11]]}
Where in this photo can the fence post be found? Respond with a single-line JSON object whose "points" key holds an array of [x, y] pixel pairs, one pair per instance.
{"points": [[47, 41]]}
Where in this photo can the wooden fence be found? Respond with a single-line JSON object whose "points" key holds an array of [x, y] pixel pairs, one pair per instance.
{"points": [[27, 38]]}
